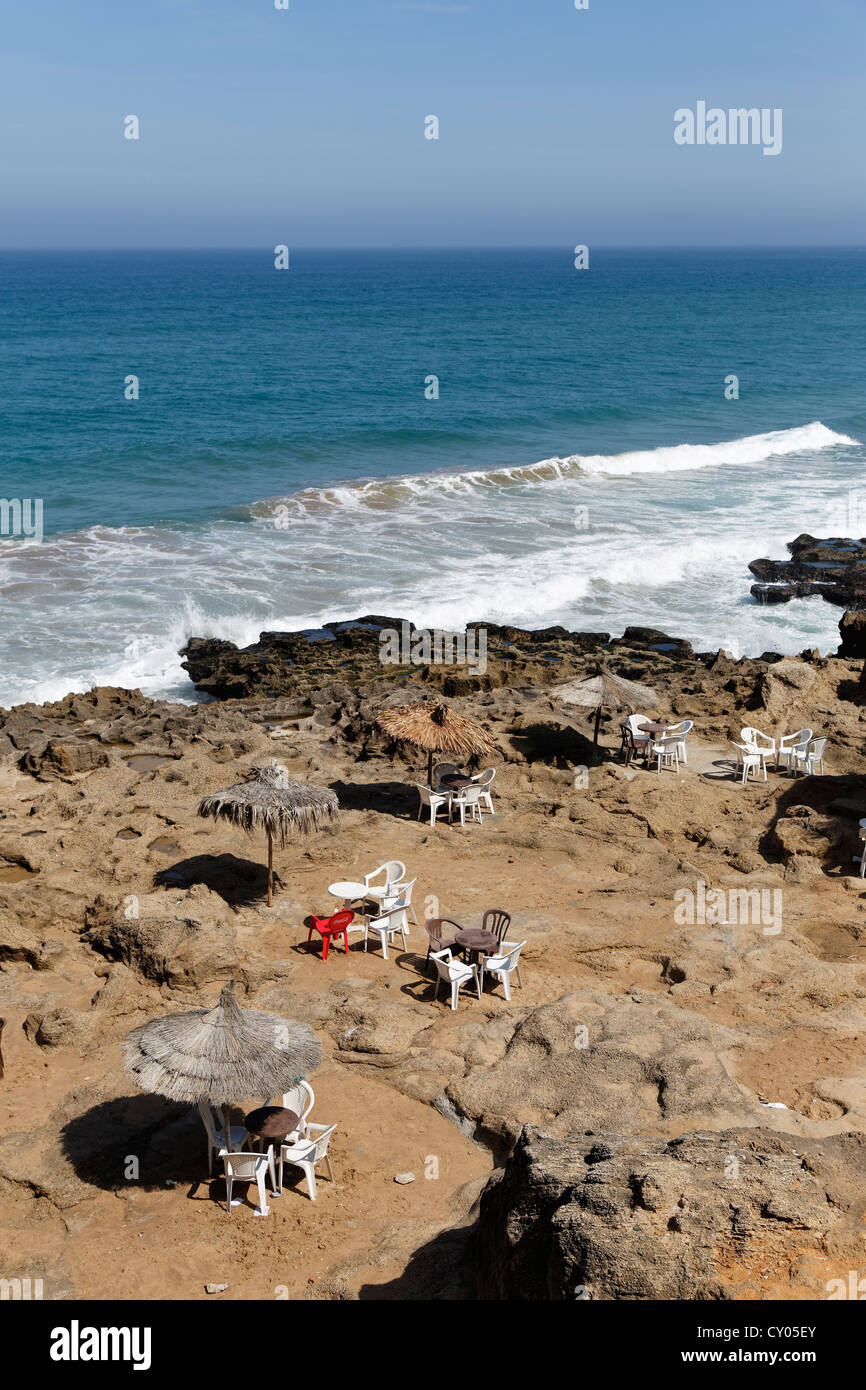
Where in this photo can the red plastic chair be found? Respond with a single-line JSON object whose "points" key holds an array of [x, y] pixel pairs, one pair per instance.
{"points": [[329, 927]]}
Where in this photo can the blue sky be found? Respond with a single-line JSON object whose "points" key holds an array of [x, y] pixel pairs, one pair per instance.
{"points": [[306, 126]]}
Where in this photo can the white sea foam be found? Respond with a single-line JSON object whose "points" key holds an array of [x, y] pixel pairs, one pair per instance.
{"points": [[113, 606]]}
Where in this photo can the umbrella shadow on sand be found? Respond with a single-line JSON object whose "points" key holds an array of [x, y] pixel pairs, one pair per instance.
{"points": [[144, 1143], [134, 1141], [388, 798], [239, 882], [561, 746]]}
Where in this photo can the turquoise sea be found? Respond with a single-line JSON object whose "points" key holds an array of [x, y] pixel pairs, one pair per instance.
{"points": [[288, 459]]}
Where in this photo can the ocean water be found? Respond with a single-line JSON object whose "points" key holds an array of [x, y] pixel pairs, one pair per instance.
{"points": [[283, 465]]}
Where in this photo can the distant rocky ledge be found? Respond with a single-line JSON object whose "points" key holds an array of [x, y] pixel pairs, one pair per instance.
{"points": [[286, 663], [350, 652]]}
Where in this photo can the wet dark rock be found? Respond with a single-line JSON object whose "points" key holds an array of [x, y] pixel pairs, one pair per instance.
{"points": [[652, 639], [852, 629], [834, 569]]}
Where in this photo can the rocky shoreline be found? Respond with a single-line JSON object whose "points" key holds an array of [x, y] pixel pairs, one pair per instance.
{"points": [[612, 1176]]}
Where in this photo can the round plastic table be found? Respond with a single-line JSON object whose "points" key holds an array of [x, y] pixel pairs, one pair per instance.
{"points": [[348, 891]]}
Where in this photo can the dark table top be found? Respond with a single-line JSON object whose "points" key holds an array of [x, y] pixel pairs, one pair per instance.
{"points": [[474, 939], [649, 726], [455, 782], [271, 1122]]}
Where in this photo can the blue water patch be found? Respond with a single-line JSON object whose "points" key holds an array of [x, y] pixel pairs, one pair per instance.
{"points": [[282, 461]]}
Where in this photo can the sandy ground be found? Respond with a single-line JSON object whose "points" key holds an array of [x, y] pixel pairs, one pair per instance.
{"points": [[587, 878]]}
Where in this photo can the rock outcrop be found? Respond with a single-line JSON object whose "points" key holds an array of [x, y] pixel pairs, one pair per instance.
{"points": [[665, 1033], [835, 569], [738, 1214]]}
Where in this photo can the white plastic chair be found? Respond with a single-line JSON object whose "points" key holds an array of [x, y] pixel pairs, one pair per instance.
{"points": [[402, 894], [216, 1136], [469, 799], [483, 780], [454, 973], [393, 870], [787, 744], [301, 1099], [666, 750], [749, 758], [306, 1155], [504, 964], [435, 800], [249, 1167], [680, 732], [765, 743], [387, 924], [809, 757]]}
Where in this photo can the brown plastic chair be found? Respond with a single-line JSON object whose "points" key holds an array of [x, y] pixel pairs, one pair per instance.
{"points": [[629, 747], [497, 921], [439, 940]]}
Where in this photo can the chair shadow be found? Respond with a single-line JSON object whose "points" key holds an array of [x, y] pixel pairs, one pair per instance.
{"points": [[239, 882], [728, 771]]}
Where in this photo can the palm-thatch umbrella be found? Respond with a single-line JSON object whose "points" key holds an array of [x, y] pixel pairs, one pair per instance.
{"points": [[220, 1055], [436, 728], [604, 690], [268, 800]]}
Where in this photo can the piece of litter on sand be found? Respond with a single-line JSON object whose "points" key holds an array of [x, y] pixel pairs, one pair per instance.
{"points": [[404, 1177], [774, 1105], [215, 1288]]}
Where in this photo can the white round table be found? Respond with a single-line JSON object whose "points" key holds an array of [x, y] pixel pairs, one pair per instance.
{"points": [[348, 891]]}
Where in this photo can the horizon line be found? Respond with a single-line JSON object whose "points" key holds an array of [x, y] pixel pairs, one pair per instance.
{"points": [[472, 246]]}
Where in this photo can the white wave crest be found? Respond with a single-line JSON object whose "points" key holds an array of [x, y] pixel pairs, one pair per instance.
{"points": [[382, 494]]}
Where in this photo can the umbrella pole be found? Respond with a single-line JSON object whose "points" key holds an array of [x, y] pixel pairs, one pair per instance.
{"points": [[270, 869], [430, 768], [598, 717], [227, 1126], [595, 730]]}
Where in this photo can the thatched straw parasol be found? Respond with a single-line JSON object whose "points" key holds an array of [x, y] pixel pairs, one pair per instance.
{"points": [[269, 801], [220, 1055], [436, 728], [604, 690]]}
